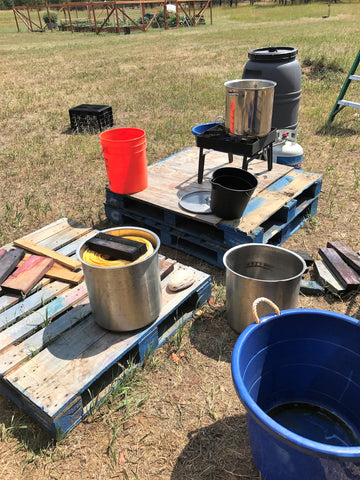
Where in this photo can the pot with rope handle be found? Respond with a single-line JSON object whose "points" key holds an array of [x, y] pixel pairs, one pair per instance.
{"points": [[257, 270]]}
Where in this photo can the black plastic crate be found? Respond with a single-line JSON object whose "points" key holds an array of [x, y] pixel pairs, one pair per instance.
{"points": [[91, 118]]}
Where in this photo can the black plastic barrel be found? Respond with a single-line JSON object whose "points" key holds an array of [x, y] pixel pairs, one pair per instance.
{"points": [[278, 64]]}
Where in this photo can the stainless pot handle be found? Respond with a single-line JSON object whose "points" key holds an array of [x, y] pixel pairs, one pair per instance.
{"points": [[218, 118], [266, 300]]}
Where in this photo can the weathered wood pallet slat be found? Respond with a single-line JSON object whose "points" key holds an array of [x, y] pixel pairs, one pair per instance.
{"points": [[347, 254], [341, 270], [52, 351], [326, 278]]}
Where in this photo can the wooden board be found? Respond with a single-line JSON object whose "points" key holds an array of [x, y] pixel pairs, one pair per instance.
{"points": [[30, 272], [341, 270], [52, 353], [33, 247], [347, 254], [9, 260], [326, 278]]}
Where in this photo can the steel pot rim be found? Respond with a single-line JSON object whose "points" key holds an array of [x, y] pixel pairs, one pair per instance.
{"points": [[263, 246], [265, 84]]}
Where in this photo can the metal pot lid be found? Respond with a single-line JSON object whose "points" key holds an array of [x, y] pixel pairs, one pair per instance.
{"points": [[273, 54], [196, 202]]}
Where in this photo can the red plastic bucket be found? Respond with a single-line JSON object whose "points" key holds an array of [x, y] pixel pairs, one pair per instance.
{"points": [[124, 152]]}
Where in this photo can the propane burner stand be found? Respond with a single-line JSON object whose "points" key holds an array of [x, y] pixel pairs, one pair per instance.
{"points": [[217, 138]]}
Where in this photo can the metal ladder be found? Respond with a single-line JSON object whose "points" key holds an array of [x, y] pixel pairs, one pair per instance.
{"points": [[340, 103]]}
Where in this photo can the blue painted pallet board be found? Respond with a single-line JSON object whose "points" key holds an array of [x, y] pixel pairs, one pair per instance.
{"points": [[283, 202], [54, 358]]}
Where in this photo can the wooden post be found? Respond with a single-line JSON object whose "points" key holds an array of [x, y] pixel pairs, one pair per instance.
{"points": [[29, 17], [143, 15], [48, 12], [94, 15], [38, 12], [177, 14], [17, 24], [116, 17], [166, 26], [211, 12], [70, 21]]}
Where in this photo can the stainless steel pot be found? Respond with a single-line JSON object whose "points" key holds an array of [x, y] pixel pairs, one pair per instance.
{"points": [[258, 270], [127, 297], [249, 107]]}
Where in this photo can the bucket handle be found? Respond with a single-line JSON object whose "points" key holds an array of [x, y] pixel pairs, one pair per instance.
{"points": [[269, 302], [219, 119]]}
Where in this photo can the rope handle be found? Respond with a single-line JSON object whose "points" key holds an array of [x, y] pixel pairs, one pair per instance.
{"points": [[266, 300]]}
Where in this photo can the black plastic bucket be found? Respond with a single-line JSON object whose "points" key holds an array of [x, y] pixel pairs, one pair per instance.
{"points": [[231, 190], [278, 64]]}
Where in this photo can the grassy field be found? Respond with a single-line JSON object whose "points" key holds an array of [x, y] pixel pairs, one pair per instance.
{"points": [[161, 81], [191, 426]]}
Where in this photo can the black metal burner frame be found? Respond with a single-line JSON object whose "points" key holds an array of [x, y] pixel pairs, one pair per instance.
{"points": [[217, 138]]}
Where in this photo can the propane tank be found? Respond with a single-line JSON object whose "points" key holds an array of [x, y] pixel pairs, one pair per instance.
{"points": [[288, 153]]}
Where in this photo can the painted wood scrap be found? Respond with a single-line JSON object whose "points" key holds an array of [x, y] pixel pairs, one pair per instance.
{"points": [[71, 263], [305, 256], [166, 266], [22, 280], [327, 278], [311, 287], [345, 274], [347, 254], [58, 272], [8, 262]]}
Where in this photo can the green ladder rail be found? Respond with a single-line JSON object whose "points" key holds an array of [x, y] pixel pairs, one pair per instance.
{"points": [[340, 102]]}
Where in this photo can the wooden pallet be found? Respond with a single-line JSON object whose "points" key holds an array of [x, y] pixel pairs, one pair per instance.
{"points": [[283, 201], [53, 354]]}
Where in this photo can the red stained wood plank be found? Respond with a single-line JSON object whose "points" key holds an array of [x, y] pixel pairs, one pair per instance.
{"points": [[347, 254], [22, 280], [341, 270], [166, 266]]}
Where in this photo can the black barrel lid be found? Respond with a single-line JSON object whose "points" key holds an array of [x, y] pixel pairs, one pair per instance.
{"points": [[273, 54]]}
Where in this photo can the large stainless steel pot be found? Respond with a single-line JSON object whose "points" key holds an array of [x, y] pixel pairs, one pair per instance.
{"points": [[127, 297], [257, 270], [249, 107]]}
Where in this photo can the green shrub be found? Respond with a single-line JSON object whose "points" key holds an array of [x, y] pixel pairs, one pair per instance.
{"points": [[53, 18]]}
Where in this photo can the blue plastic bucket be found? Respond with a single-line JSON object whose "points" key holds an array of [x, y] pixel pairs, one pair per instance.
{"points": [[298, 377], [203, 127]]}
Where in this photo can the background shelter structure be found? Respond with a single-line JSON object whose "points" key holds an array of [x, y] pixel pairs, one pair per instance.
{"points": [[113, 16]]}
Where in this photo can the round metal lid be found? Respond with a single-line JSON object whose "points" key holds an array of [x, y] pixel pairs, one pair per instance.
{"points": [[273, 54], [196, 202]]}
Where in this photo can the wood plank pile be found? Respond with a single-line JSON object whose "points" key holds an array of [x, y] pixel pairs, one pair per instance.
{"points": [[25, 264], [339, 268]]}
